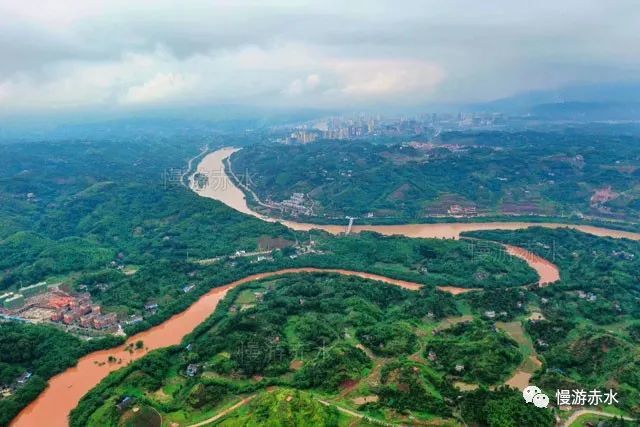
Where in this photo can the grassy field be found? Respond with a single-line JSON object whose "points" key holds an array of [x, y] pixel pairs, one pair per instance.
{"points": [[141, 416], [246, 297]]}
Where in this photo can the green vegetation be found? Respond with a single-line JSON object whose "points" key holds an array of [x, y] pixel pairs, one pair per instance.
{"points": [[429, 261], [113, 219], [411, 386], [141, 416], [129, 237], [308, 317], [78, 221], [475, 352], [591, 420], [588, 338], [285, 407], [502, 408], [42, 351], [389, 339], [599, 276], [333, 336], [504, 174]]}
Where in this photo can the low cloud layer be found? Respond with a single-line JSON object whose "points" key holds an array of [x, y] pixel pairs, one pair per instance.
{"points": [[67, 55]]}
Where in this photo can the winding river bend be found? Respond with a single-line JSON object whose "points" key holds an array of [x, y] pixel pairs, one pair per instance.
{"points": [[65, 390]]}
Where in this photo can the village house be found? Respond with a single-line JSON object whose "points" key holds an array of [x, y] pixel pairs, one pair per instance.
{"points": [[151, 306], [24, 378], [133, 319], [125, 403], [193, 369], [6, 391]]}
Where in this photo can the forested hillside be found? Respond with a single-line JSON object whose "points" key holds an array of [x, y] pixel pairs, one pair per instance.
{"points": [[498, 174], [341, 339], [588, 337]]}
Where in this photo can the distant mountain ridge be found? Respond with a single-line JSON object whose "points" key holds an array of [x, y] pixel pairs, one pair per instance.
{"points": [[608, 101]]}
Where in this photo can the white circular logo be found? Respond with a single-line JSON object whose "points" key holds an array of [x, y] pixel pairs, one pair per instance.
{"points": [[533, 394]]}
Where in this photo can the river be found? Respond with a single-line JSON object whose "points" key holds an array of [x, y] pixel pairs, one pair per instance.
{"points": [[65, 390], [223, 189]]}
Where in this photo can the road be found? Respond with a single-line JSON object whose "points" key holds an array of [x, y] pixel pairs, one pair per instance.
{"points": [[208, 261], [581, 412], [190, 163], [253, 396]]}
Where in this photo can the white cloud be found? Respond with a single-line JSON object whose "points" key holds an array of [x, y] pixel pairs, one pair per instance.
{"points": [[69, 54], [301, 86], [371, 78], [160, 87]]}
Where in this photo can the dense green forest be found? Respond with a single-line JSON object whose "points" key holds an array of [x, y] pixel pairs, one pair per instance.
{"points": [[88, 210], [553, 175], [336, 337], [588, 337]]}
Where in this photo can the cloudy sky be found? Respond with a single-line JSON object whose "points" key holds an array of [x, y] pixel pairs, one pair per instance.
{"points": [[92, 54]]}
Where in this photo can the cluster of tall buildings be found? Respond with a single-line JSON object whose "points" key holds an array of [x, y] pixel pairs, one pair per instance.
{"points": [[339, 128], [79, 311], [302, 136], [428, 125]]}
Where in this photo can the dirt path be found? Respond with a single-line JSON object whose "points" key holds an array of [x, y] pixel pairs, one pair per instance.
{"points": [[523, 373], [355, 414], [225, 412]]}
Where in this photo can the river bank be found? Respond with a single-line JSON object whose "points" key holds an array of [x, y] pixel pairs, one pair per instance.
{"points": [[223, 188], [65, 390]]}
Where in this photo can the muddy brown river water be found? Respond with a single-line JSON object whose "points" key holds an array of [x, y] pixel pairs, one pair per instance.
{"points": [[65, 390]]}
